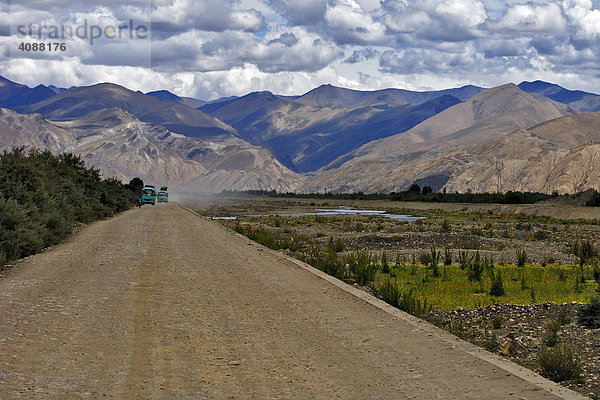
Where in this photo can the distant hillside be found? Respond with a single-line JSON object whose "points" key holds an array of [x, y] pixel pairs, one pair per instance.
{"points": [[336, 97], [305, 137], [122, 146], [430, 152], [578, 100], [328, 138], [560, 155], [80, 101], [166, 95], [14, 94]]}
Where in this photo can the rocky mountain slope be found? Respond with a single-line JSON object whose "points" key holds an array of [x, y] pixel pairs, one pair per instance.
{"points": [[525, 137], [79, 101], [561, 155], [33, 131], [122, 146], [578, 100], [306, 135], [431, 151]]}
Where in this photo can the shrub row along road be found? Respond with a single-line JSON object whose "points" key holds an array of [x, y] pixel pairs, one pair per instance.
{"points": [[159, 303]]}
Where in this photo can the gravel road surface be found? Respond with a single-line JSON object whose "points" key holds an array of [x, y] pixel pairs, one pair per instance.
{"points": [[161, 303]]}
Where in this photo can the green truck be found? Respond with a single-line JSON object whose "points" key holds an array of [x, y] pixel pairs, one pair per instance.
{"points": [[148, 195], [163, 195]]}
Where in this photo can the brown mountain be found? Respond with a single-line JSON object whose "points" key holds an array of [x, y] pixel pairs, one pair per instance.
{"points": [[122, 146], [80, 101], [560, 155], [431, 151], [305, 137], [33, 131], [336, 97]]}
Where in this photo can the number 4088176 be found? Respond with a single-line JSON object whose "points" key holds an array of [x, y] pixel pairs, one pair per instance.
{"points": [[43, 46]]}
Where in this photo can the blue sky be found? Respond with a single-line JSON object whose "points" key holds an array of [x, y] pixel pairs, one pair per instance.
{"points": [[213, 48]]}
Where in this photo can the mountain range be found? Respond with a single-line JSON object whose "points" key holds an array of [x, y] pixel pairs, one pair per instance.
{"points": [[532, 136]]}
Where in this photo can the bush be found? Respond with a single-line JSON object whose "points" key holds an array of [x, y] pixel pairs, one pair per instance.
{"points": [[362, 268], [521, 257], [497, 288], [447, 256], [43, 196], [434, 261], [551, 337], [491, 341], [412, 304], [336, 244], [445, 227], [475, 267], [385, 265], [414, 188], [584, 250], [560, 363], [464, 259], [389, 292], [589, 314], [594, 201]]}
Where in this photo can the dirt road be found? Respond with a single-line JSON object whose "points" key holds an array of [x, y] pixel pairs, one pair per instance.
{"points": [[161, 303]]}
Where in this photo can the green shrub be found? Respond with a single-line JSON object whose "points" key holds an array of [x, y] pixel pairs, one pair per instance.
{"points": [[362, 268], [434, 261], [475, 268], [594, 201], [389, 292], [43, 196], [447, 256], [445, 227], [560, 363], [497, 288], [584, 250], [336, 244], [385, 265], [521, 257], [551, 337], [589, 314], [491, 341], [412, 304], [457, 328], [464, 260]]}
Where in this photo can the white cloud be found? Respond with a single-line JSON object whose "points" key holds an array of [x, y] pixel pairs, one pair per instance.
{"points": [[532, 17], [349, 23], [212, 48], [208, 15], [583, 17], [447, 20]]}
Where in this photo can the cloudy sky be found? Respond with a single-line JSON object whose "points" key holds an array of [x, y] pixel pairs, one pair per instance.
{"points": [[214, 48]]}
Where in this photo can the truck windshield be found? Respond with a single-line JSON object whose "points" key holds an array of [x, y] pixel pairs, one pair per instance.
{"points": [[148, 192]]}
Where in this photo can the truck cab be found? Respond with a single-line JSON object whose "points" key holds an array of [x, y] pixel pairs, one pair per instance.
{"points": [[163, 196], [148, 195]]}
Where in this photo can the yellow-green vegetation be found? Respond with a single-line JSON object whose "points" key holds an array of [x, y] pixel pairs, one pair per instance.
{"points": [[530, 284], [460, 257]]}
